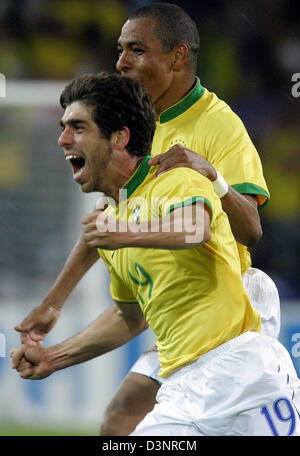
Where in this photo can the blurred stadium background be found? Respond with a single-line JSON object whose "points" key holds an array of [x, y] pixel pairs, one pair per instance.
{"points": [[248, 56]]}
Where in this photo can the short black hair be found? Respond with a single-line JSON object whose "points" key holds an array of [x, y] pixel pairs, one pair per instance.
{"points": [[173, 26], [118, 102]]}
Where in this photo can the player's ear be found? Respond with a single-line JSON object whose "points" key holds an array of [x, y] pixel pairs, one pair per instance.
{"points": [[180, 56], [119, 139]]}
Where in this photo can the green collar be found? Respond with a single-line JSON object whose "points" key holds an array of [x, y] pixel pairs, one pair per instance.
{"points": [[136, 179], [183, 105]]}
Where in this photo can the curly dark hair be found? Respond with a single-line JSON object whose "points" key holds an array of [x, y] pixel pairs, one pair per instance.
{"points": [[173, 26], [118, 102]]}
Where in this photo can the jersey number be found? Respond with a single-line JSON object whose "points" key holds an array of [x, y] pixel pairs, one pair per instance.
{"points": [[142, 279], [284, 411]]}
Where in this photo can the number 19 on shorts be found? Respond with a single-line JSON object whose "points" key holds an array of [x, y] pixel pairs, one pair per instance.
{"points": [[282, 411]]}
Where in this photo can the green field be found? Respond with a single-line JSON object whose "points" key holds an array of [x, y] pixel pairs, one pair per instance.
{"points": [[12, 430]]}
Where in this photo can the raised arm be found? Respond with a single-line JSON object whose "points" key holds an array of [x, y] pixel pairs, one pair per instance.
{"points": [[120, 323], [42, 318]]}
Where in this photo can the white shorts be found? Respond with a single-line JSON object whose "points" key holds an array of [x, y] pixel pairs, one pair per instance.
{"points": [[263, 296], [245, 387]]}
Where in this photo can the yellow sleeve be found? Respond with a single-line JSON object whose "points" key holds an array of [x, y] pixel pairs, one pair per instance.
{"points": [[231, 151], [182, 187], [118, 289]]}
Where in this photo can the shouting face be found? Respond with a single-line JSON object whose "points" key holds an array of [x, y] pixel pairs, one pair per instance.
{"points": [[85, 148]]}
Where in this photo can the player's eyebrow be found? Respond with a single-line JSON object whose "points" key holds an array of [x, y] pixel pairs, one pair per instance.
{"points": [[131, 44], [73, 122]]}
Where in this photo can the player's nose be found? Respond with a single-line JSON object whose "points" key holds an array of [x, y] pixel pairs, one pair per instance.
{"points": [[65, 138], [124, 62]]}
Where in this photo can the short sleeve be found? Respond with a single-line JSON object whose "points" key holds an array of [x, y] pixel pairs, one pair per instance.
{"points": [[182, 187], [231, 151], [119, 291]]}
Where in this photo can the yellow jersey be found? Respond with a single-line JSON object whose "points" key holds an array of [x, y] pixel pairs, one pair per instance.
{"points": [[193, 299], [207, 125]]}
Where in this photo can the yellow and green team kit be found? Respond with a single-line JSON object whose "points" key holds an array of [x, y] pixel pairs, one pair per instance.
{"points": [[205, 124], [193, 299]]}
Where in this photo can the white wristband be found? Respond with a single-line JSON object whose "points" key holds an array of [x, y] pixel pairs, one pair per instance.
{"points": [[220, 186]]}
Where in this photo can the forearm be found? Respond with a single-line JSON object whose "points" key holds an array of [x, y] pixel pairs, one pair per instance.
{"points": [[172, 232], [152, 236], [107, 333], [80, 260], [243, 217]]}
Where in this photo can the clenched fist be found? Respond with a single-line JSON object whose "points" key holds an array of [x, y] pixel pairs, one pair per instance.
{"points": [[31, 362]]}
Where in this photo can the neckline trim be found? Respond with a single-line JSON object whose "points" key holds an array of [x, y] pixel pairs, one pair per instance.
{"points": [[136, 179], [183, 105]]}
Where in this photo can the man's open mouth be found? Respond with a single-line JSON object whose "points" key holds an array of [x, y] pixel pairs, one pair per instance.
{"points": [[78, 163]]}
